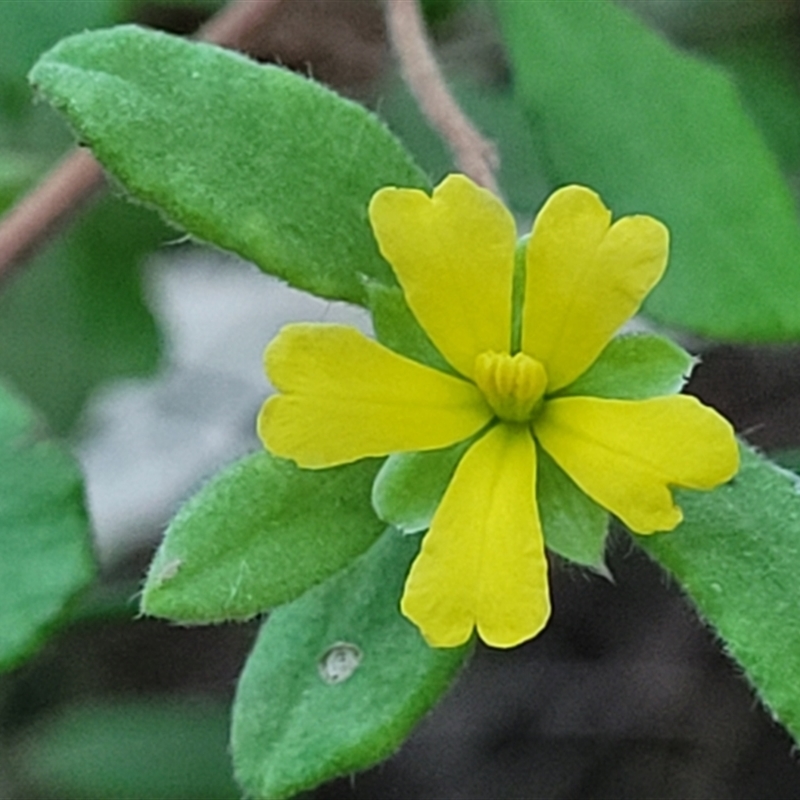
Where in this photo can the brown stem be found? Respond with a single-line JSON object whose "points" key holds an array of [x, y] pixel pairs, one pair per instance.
{"points": [[238, 23], [474, 155], [78, 178], [75, 180]]}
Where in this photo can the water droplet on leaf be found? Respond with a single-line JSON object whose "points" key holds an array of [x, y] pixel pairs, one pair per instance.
{"points": [[339, 662]]}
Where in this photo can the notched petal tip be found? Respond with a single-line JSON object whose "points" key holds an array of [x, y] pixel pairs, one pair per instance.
{"points": [[659, 520], [574, 198], [436, 630], [291, 342], [628, 455], [458, 188], [516, 632], [642, 242], [454, 190], [585, 278], [714, 440], [282, 433], [453, 255], [457, 631], [482, 563], [389, 200]]}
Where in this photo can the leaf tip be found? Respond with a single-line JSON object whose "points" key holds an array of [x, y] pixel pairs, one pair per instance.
{"points": [[161, 572]]}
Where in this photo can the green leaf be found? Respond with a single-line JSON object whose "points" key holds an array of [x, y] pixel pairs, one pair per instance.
{"points": [[574, 525], [337, 679], [129, 750], [614, 106], [737, 555], [259, 535], [410, 486], [44, 532], [253, 158], [76, 318], [788, 458], [397, 328], [634, 367], [762, 64]]}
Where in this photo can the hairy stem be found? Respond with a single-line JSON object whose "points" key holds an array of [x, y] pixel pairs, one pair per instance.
{"points": [[473, 154]]}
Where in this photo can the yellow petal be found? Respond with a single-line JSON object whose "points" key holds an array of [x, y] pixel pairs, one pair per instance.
{"points": [[453, 254], [482, 562], [345, 397], [626, 453], [585, 279]]}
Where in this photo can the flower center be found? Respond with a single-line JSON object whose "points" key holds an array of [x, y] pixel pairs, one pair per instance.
{"points": [[512, 385]]}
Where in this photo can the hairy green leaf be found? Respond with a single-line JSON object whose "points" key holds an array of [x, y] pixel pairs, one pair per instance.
{"points": [[410, 486], [634, 367], [337, 679], [46, 550], [258, 535], [252, 158], [397, 328], [737, 556], [574, 525], [788, 458], [655, 131]]}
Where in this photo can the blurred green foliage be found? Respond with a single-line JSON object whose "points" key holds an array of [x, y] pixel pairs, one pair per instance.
{"points": [[76, 318], [47, 551], [653, 130], [129, 749]]}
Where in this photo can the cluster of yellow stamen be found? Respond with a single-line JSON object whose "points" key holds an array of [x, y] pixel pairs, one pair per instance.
{"points": [[512, 385]]}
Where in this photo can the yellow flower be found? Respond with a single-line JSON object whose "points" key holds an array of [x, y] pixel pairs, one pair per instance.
{"points": [[343, 396]]}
